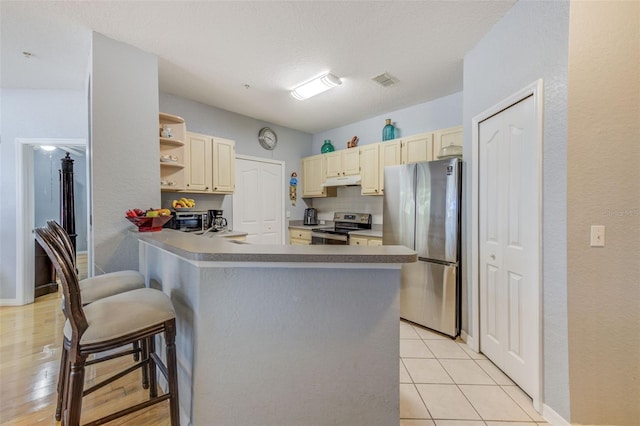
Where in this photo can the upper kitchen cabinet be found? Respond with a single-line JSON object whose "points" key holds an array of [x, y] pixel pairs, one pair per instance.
{"points": [[224, 166], [199, 162], [369, 169], [447, 138], [172, 132], [390, 155], [314, 174], [210, 166], [345, 162], [417, 148]]}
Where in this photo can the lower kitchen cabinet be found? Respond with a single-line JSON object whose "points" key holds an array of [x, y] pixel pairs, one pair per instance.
{"points": [[365, 241], [299, 236]]}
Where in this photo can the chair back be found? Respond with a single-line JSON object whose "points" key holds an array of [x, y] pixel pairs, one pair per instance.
{"points": [[65, 269], [62, 234]]}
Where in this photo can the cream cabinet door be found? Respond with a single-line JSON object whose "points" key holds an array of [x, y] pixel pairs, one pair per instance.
{"points": [[350, 161], [313, 176], [223, 171], [369, 169], [345, 162], [446, 137], [374, 242], [417, 148], [333, 161], [299, 236], [390, 155], [198, 165], [357, 241]]}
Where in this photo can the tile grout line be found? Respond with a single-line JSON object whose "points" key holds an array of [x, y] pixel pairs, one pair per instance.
{"points": [[454, 382]]}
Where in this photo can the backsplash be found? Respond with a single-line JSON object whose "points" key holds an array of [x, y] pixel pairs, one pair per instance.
{"points": [[349, 199]]}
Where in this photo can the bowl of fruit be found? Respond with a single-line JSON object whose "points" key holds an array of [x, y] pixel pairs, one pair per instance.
{"points": [[149, 220], [183, 204]]}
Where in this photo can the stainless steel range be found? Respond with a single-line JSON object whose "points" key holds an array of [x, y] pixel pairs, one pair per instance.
{"points": [[343, 223]]}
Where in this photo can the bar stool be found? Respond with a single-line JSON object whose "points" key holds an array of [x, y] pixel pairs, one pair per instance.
{"points": [[96, 288], [109, 324]]}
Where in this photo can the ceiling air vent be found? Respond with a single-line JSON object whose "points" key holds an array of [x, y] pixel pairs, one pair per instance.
{"points": [[385, 79]]}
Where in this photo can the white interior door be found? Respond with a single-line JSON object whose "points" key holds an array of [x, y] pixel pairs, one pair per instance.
{"points": [[508, 242], [258, 200]]}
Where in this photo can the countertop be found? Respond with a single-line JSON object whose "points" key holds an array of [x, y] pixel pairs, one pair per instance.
{"points": [[199, 248]]}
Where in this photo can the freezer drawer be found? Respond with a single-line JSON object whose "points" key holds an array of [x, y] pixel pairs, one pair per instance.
{"points": [[429, 296]]}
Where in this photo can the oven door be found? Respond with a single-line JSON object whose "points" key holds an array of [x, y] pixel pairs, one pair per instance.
{"points": [[318, 237]]}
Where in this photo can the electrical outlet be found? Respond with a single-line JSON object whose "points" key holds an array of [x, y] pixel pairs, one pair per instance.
{"points": [[288, 213], [597, 235]]}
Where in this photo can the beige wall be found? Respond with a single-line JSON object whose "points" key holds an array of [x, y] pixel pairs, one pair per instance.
{"points": [[603, 188]]}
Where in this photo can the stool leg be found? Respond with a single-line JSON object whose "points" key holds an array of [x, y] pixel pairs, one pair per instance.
{"points": [[136, 347], [62, 375], [144, 350], [172, 371], [153, 378], [74, 393]]}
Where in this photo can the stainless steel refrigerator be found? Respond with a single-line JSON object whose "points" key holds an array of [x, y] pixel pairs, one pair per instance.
{"points": [[421, 210]]}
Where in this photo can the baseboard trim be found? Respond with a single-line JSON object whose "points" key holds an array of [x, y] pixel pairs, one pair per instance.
{"points": [[552, 417], [471, 342], [10, 302]]}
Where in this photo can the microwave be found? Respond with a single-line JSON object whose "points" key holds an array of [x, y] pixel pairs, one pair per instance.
{"points": [[188, 221]]}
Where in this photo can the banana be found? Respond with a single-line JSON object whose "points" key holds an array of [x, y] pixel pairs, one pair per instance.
{"points": [[173, 203]]}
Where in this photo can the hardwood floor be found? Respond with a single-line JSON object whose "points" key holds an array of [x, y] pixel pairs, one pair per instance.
{"points": [[30, 342]]}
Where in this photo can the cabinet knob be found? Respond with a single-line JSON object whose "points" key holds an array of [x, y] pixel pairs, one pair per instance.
{"points": [[493, 257], [215, 188], [187, 184]]}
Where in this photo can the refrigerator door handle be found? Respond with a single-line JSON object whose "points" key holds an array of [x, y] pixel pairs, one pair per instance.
{"points": [[439, 262]]}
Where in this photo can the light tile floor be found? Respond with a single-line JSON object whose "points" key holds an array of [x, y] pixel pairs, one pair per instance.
{"points": [[444, 383]]}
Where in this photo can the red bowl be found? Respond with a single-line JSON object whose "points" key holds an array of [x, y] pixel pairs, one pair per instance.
{"points": [[149, 224]]}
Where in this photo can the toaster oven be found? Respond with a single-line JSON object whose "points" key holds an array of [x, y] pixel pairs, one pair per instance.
{"points": [[188, 221]]}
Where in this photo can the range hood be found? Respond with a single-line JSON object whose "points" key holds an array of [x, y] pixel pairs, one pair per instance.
{"points": [[343, 181]]}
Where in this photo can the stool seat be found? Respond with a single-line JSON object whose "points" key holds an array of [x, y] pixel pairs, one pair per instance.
{"points": [[123, 314], [101, 286]]}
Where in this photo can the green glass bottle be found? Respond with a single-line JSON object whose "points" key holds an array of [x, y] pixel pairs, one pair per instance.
{"points": [[388, 131], [326, 146]]}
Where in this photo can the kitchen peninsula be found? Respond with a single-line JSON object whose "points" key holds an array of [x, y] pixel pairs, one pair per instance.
{"points": [[281, 334]]}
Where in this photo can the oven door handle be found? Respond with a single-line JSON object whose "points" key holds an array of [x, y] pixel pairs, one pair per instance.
{"points": [[323, 235]]}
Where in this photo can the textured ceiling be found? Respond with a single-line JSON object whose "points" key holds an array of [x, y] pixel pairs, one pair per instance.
{"points": [[211, 51]]}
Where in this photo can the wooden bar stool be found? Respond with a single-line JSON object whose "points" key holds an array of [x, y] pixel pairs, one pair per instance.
{"points": [[96, 288], [105, 285], [108, 324]]}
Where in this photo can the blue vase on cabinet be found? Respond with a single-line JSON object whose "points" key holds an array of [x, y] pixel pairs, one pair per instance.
{"points": [[388, 131], [326, 146]]}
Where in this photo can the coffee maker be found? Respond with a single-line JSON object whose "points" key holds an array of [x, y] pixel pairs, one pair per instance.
{"points": [[310, 217], [216, 221]]}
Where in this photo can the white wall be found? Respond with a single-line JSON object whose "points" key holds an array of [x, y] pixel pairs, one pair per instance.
{"points": [[30, 114], [124, 149], [531, 42]]}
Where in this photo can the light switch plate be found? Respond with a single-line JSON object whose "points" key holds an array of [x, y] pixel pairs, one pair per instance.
{"points": [[597, 235]]}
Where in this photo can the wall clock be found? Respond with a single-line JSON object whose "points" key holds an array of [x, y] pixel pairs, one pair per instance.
{"points": [[267, 138]]}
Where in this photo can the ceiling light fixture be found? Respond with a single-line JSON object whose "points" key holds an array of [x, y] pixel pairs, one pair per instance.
{"points": [[315, 86], [48, 147]]}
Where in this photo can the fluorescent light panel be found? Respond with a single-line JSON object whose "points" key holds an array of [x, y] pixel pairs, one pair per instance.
{"points": [[315, 86]]}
